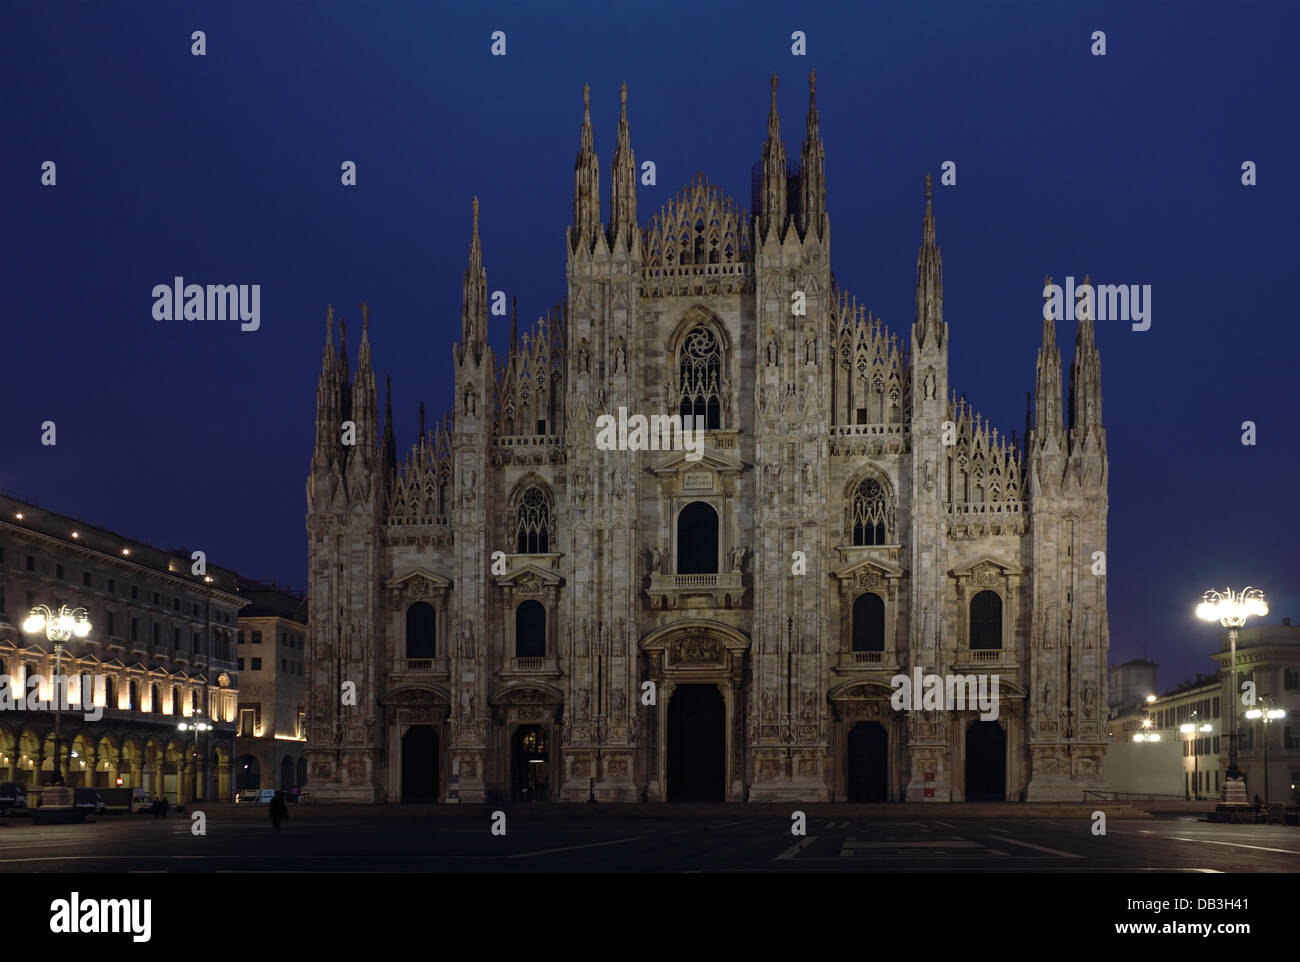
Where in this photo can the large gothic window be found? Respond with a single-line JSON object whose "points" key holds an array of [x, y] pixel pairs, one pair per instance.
{"points": [[869, 623], [701, 378], [870, 515], [421, 631], [530, 630], [533, 528], [697, 540], [986, 620]]}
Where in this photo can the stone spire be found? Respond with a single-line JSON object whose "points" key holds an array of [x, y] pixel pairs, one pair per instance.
{"points": [[327, 402], [586, 183], [364, 413], [622, 183], [390, 439], [1085, 378], [772, 212], [812, 181], [929, 279], [1047, 387], [473, 311]]}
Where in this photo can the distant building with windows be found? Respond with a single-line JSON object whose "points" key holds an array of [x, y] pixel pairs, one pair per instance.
{"points": [[272, 649], [1269, 657], [160, 653]]}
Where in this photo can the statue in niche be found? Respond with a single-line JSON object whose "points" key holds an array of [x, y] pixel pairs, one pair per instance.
{"points": [[928, 474], [466, 638], [584, 705], [620, 702], [929, 385], [584, 356], [737, 559], [655, 558], [1049, 691], [769, 705], [1089, 698], [620, 357], [467, 706], [771, 349]]}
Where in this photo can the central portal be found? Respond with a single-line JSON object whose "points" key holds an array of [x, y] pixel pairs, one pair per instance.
{"points": [[697, 744], [868, 768], [420, 764]]}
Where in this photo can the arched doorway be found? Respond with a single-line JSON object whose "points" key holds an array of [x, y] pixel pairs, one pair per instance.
{"points": [[529, 764], [697, 746], [248, 773], [868, 763], [986, 762], [420, 764]]}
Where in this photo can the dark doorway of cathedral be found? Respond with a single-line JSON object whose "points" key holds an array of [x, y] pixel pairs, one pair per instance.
{"points": [[986, 762], [529, 775], [420, 764], [868, 768], [697, 744]]}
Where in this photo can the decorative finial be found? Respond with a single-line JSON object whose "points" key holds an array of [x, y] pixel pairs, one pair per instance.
{"points": [[623, 94], [365, 317], [343, 328], [586, 96], [774, 83], [812, 82], [927, 187], [476, 213]]}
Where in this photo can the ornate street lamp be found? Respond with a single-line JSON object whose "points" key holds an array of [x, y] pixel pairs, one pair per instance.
{"points": [[196, 727], [58, 628], [1231, 609]]}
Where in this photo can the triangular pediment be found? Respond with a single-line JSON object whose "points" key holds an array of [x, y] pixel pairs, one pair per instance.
{"points": [[531, 575], [868, 566], [677, 461], [432, 578], [970, 567]]}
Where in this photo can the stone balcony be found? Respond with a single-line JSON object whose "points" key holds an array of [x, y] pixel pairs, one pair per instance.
{"points": [[722, 590], [547, 666], [982, 659], [427, 668], [867, 661]]}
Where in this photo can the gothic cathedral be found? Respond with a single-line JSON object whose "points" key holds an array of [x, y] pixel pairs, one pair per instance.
{"points": [[511, 612]]}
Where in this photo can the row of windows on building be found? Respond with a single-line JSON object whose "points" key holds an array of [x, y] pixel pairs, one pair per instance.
{"points": [[868, 626], [286, 666], [1181, 714], [287, 639], [113, 691], [89, 580], [871, 522]]}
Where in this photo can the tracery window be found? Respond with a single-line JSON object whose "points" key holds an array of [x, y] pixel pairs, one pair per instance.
{"points": [[701, 378], [533, 530], [870, 515]]}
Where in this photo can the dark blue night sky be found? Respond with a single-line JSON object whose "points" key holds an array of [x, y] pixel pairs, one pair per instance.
{"points": [[225, 169]]}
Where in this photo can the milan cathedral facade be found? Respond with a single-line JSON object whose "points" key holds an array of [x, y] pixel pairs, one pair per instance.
{"points": [[508, 612]]}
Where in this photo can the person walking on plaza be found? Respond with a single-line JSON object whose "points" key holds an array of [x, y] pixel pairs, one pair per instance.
{"points": [[279, 810]]}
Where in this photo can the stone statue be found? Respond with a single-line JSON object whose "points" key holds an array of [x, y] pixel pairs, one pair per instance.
{"points": [[620, 357], [929, 385], [737, 559], [466, 638], [655, 559]]}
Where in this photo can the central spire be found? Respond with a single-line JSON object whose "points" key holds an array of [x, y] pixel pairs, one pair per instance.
{"points": [[586, 183], [812, 179], [622, 183], [929, 278], [473, 311], [772, 214]]}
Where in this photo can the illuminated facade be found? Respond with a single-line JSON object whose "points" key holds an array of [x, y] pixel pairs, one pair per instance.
{"points": [[160, 652], [503, 600], [272, 642]]}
